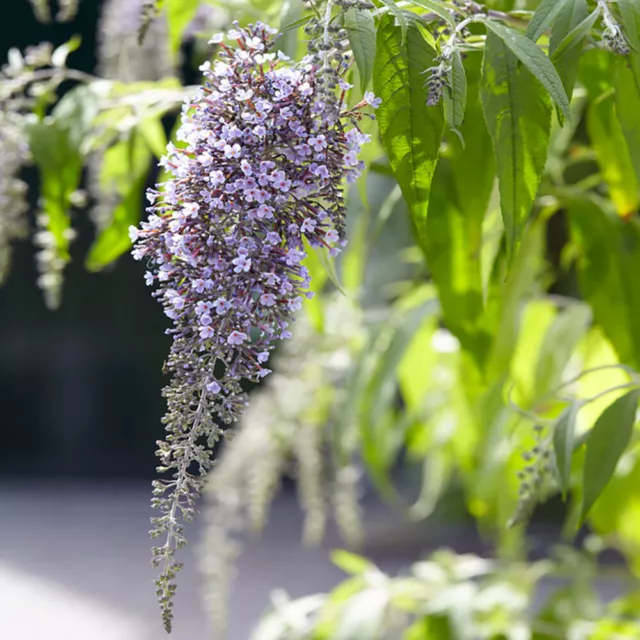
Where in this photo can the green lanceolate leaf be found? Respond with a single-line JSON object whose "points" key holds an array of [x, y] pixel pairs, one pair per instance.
{"points": [[532, 57], [56, 145], [572, 24], [518, 115], [410, 130], [361, 28], [608, 261], [630, 13], [559, 342], [124, 171], [455, 94], [543, 18], [461, 190], [350, 562], [626, 81], [399, 16], [563, 445], [608, 140], [179, 14], [437, 8], [607, 442]]}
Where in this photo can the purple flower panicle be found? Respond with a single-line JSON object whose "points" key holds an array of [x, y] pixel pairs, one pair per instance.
{"points": [[265, 149]]}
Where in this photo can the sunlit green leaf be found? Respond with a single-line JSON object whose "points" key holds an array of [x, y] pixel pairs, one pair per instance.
{"points": [[543, 17], [570, 27], [179, 14], [350, 562], [608, 256], [518, 116], [461, 191], [410, 130], [455, 94], [607, 138], [361, 28], [436, 7], [563, 445], [607, 442], [400, 17], [626, 81], [531, 56], [56, 145], [124, 172], [630, 12], [559, 343]]}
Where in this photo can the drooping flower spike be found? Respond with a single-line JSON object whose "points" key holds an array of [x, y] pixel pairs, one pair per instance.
{"points": [[267, 146]]}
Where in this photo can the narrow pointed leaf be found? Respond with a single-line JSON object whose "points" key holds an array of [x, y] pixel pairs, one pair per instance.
{"points": [[461, 190], [608, 140], [399, 16], [532, 57], [179, 14], [572, 24], [410, 130], [435, 7], [630, 12], [608, 259], [361, 29], [518, 115], [607, 442], [563, 445], [455, 95], [543, 18], [626, 80]]}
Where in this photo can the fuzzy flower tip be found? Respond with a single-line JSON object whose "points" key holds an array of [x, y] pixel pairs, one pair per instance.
{"points": [[265, 150]]}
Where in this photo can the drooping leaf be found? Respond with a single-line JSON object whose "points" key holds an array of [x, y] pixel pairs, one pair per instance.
{"points": [[610, 146], [518, 115], [380, 440], [288, 41], [543, 17], [570, 27], [532, 57], [626, 81], [410, 130], [437, 8], [179, 14], [350, 562], [559, 343], [361, 29], [153, 133], [563, 445], [400, 17], [607, 442], [455, 94], [630, 13], [124, 172], [608, 257], [461, 190], [56, 144]]}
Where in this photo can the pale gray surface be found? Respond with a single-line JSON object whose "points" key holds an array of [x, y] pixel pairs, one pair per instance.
{"points": [[74, 561]]}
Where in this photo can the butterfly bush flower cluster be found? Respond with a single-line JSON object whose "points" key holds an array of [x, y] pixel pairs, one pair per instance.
{"points": [[265, 147]]}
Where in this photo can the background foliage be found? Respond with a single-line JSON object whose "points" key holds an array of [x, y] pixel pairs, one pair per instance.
{"points": [[490, 291]]}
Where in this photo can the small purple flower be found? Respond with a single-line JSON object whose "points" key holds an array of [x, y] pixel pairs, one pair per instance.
{"points": [[370, 98], [213, 387], [236, 337], [205, 319], [242, 263], [267, 299], [232, 151], [206, 332], [221, 305], [273, 238]]}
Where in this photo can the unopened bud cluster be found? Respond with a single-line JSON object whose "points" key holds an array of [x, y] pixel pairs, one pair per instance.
{"points": [[265, 148]]}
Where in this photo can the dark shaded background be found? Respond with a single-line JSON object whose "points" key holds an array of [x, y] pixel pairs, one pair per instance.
{"points": [[80, 386]]}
